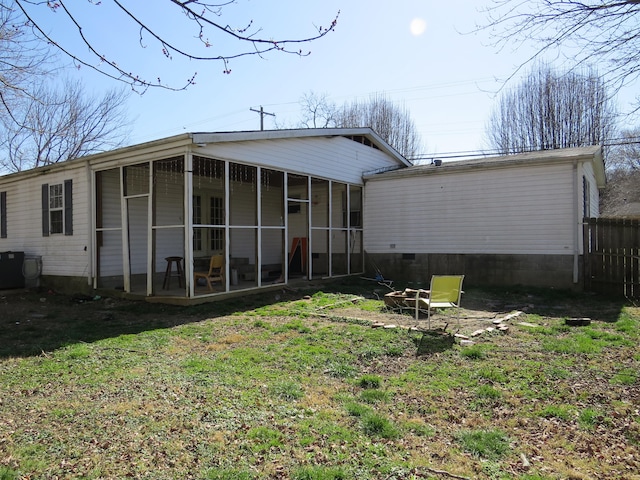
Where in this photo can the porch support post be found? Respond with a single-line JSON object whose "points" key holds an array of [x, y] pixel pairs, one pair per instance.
{"points": [[259, 223], [126, 267], [285, 191], [348, 225], [151, 253], [227, 233], [309, 237], [188, 224], [330, 245]]}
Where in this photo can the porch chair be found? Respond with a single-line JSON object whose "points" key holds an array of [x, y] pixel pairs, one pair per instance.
{"points": [[445, 292], [214, 274]]}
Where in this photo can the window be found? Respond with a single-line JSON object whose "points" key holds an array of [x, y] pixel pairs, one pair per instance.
{"points": [[56, 209], [355, 206], [57, 213], [3, 214]]}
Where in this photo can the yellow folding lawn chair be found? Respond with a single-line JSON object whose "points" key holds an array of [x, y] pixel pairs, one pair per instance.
{"points": [[445, 292]]}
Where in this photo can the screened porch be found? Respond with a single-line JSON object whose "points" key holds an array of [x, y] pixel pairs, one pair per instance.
{"points": [[269, 226]]}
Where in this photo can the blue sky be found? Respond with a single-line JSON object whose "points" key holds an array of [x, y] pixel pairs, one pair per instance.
{"points": [[447, 79]]}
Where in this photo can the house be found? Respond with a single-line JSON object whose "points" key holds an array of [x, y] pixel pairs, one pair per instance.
{"points": [[504, 220], [295, 204], [277, 205]]}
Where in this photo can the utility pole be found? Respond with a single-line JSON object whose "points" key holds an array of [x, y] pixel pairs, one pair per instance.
{"points": [[262, 114]]}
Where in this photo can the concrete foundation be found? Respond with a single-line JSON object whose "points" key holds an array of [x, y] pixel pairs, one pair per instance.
{"points": [[66, 285], [415, 270]]}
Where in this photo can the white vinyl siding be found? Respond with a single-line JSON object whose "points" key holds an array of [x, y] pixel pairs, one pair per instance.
{"points": [[335, 158], [63, 255], [515, 210], [589, 175]]}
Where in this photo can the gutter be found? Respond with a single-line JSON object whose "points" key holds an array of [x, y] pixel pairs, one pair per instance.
{"points": [[546, 157]]}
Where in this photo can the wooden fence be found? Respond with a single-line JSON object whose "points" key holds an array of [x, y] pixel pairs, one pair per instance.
{"points": [[612, 256]]}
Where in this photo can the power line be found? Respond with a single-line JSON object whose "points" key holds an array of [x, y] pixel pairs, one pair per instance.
{"points": [[262, 114]]}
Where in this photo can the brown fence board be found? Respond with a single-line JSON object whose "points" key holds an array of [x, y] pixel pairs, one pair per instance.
{"points": [[612, 256]]}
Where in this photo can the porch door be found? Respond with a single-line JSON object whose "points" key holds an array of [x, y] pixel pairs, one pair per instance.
{"points": [[136, 227], [109, 239], [298, 226], [137, 215]]}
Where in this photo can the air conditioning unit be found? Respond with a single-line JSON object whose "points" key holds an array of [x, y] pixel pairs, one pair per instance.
{"points": [[11, 270]]}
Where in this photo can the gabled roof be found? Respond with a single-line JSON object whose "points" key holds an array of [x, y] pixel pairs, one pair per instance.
{"points": [[564, 155], [364, 135]]}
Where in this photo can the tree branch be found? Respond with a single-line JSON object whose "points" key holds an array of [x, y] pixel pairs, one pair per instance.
{"points": [[606, 33], [108, 66]]}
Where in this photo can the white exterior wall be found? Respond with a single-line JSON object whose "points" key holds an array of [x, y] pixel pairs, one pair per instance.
{"points": [[335, 158], [512, 210], [587, 171], [65, 255], [331, 158]]}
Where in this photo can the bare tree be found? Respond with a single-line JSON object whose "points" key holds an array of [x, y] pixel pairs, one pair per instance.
{"points": [[23, 61], [625, 151], [208, 39], [391, 121], [318, 111], [548, 110], [40, 122], [593, 31], [62, 124], [621, 196]]}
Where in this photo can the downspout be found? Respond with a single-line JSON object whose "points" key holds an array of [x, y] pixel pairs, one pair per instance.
{"points": [[91, 234], [576, 224]]}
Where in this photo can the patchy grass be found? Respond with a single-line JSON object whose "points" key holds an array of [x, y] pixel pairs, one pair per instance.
{"points": [[489, 444], [298, 386]]}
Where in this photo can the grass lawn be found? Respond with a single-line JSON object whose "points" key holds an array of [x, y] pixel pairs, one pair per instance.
{"points": [[297, 385]]}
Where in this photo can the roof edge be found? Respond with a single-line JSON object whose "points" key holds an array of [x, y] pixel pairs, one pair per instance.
{"points": [[239, 136], [564, 155]]}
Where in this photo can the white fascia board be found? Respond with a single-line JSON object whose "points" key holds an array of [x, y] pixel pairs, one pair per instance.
{"points": [[566, 155], [205, 138]]}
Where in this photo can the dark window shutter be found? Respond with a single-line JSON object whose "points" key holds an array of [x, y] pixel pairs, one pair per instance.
{"points": [[45, 210], [68, 207], [3, 214]]}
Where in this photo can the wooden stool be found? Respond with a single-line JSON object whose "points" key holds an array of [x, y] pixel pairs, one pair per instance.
{"points": [[169, 272]]}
